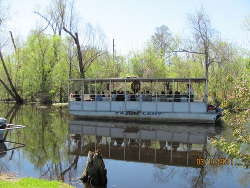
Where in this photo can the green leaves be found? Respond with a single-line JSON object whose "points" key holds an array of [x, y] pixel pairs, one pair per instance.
{"points": [[238, 119]]}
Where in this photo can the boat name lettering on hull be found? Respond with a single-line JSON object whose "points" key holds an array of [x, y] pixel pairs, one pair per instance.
{"points": [[127, 113], [137, 113]]}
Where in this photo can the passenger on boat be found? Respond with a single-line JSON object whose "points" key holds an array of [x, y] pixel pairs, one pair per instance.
{"points": [[120, 96], [127, 96], [92, 97], [163, 97], [170, 96], [191, 93], [148, 97], [177, 96], [77, 96], [98, 97], [132, 97], [142, 97], [114, 95]]}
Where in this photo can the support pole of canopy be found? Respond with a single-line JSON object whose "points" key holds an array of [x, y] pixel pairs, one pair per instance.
{"points": [[110, 96], [95, 97], [82, 85], [206, 91], [156, 93], [189, 95], [68, 92], [173, 96], [125, 95], [89, 88]]}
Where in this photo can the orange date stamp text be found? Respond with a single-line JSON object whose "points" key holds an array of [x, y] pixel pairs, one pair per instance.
{"points": [[214, 161]]}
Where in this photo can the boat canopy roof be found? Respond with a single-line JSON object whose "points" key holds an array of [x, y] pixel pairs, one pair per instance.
{"points": [[132, 79]]}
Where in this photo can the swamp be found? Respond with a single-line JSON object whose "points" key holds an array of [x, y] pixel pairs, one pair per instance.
{"points": [[55, 146]]}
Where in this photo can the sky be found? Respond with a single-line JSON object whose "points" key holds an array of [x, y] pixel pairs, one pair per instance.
{"points": [[131, 23]]}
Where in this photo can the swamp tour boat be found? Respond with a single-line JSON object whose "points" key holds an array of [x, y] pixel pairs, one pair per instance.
{"points": [[142, 99]]}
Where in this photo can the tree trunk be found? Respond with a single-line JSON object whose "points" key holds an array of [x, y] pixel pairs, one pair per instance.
{"points": [[17, 97], [79, 52], [8, 90]]}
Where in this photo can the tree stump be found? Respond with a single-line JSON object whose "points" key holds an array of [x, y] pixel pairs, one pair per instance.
{"points": [[95, 172]]}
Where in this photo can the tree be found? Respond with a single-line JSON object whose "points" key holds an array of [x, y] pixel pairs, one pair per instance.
{"points": [[55, 16], [162, 40], [12, 90], [202, 36], [62, 16], [44, 67], [204, 41], [238, 119], [246, 25]]}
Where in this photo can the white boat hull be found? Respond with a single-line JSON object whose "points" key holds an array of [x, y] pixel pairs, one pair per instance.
{"points": [[150, 111], [147, 116]]}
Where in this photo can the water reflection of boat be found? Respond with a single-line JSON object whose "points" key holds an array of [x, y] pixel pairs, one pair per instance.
{"points": [[178, 145], [11, 146]]}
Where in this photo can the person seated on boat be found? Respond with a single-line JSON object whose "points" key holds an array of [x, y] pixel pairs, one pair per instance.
{"points": [[142, 96], [191, 93], [148, 97], [177, 96], [170, 96], [98, 97], [120, 96], [132, 97], [77, 96], [163, 97], [103, 95], [92, 96], [113, 95], [127, 96]]}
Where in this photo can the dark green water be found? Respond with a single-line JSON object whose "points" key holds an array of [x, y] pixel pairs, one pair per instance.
{"points": [[135, 155]]}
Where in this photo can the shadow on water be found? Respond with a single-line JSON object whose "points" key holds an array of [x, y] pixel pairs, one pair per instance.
{"points": [[56, 147]]}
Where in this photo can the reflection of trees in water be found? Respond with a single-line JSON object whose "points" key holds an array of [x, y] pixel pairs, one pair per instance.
{"points": [[196, 177], [244, 178], [49, 152], [45, 138], [205, 176], [9, 111], [161, 176]]}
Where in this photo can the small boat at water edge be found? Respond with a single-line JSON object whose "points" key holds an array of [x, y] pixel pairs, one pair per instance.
{"points": [[142, 99], [4, 128]]}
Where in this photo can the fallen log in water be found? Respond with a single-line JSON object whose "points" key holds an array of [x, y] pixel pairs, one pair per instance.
{"points": [[95, 172]]}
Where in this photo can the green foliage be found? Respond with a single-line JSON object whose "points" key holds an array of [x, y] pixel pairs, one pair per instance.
{"points": [[238, 119], [31, 183], [148, 64], [43, 63]]}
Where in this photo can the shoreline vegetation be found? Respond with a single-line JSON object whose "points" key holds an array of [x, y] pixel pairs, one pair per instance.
{"points": [[37, 68], [9, 180]]}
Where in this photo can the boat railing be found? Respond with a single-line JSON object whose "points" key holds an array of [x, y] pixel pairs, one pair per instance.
{"points": [[138, 89], [142, 98]]}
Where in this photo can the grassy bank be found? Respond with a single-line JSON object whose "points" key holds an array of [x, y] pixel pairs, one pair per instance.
{"points": [[31, 183]]}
